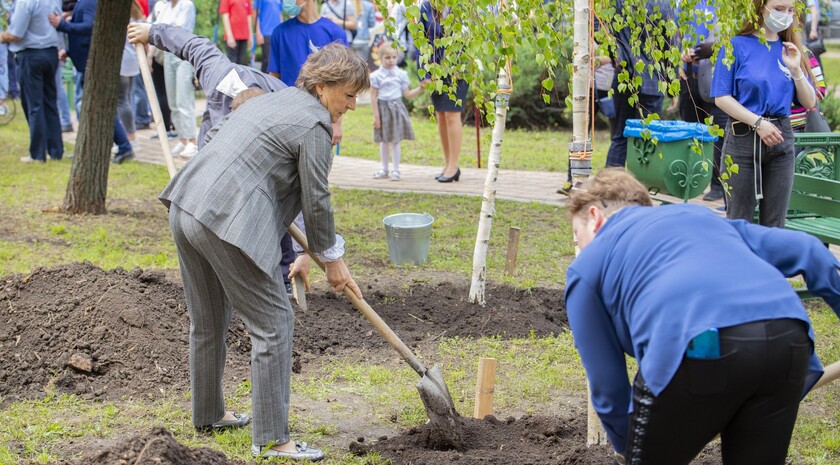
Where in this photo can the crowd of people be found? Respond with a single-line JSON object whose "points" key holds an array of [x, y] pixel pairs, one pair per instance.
{"points": [[771, 91], [286, 32]]}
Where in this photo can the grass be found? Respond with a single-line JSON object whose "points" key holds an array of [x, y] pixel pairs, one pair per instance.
{"points": [[136, 231], [521, 150], [535, 375]]}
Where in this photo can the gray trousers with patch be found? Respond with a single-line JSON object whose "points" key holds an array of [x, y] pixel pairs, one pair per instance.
{"points": [[218, 277], [765, 174]]}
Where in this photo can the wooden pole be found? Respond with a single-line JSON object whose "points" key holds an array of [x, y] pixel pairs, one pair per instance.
{"points": [[478, 135], [512, 251], [156, 113], [484, 387]]}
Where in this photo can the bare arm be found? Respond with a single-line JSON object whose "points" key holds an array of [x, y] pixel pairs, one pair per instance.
{"points": [[374, 103], [229, 40], [815, 22], [410, 94], [6, 37], [768, 132]]}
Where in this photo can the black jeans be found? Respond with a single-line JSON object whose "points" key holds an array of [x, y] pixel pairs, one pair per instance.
{"points": [[647, 104], [239, 54], [750, 396], [765, 174]]}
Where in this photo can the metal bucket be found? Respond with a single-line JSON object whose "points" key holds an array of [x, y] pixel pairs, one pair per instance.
{"points": [[408, 237]]}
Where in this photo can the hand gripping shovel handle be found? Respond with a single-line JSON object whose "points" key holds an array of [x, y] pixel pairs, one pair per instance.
{"points": [[156, 113], [366, 310]]}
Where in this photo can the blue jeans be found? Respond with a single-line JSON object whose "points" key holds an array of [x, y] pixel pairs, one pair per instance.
{"points": [[63, 104], [647, 104], [4, 71], [36, 73], [120, 136], [142, 113]]}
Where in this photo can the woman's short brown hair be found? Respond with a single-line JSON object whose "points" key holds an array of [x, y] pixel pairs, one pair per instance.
{"points": [[610, 189], [334, 65]]}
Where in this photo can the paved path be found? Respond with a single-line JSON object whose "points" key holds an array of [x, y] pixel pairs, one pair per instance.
{"points": [[357, 173]]}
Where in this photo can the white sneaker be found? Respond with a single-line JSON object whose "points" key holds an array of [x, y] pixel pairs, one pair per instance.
{"points": [[381, 174], [179, 147], [395, 175], [114, 149], [190, 150]]}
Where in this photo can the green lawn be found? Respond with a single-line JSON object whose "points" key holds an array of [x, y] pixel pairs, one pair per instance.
{"points": [[521, 150]]}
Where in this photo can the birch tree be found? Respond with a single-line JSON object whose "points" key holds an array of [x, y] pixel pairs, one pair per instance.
{"points": [[487, 34]]}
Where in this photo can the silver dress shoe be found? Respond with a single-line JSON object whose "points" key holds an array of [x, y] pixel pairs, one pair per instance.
{"points": [[241, 420], [302, 452]]}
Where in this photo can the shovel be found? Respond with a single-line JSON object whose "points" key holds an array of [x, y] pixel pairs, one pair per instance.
{"points": [[446, 431]]}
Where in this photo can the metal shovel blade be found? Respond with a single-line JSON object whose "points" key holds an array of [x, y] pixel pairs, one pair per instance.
{"points": [[446, 431]]}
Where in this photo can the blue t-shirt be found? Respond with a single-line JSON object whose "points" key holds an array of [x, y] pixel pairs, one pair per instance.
{"points": [[758, 78], [642, 287], [292, 41], [269, 15]]}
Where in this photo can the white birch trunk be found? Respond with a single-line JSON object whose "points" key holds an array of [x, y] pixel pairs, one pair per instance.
{"points": [[581, 79], [488, 204], [581, 167]]}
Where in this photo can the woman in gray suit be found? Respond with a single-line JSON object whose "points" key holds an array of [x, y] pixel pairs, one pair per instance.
{"points": [[229, 208]]}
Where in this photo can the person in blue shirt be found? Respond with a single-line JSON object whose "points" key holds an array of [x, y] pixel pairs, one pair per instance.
{"points": [[757, 91], [293, 40], [35, 44], [729, 352], [267, 16], [79, 30]]}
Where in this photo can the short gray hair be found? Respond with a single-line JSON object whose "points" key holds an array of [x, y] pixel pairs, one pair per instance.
{"points": [[334, 65]]}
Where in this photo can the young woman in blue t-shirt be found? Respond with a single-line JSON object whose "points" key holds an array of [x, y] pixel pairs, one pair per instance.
{"points": [[757, 91]]}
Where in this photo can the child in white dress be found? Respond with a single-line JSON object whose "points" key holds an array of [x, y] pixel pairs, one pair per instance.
{"points": [[391, 123]]}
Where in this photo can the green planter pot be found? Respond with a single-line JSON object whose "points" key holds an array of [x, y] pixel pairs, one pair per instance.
{"points": [[673, 168]]}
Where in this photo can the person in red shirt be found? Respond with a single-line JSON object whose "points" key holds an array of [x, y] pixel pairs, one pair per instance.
{"points": [[236, 17]]}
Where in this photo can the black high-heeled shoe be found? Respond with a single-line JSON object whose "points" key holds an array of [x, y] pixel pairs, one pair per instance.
{"points": [[454, 177], [437, 176]]}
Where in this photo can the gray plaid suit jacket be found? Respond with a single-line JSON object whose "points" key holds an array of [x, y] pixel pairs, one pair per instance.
{"points": [[261, 165]]}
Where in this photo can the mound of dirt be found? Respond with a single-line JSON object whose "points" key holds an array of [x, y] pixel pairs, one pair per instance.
{"points": [[158, 447], [119, 333], [531, 440]]}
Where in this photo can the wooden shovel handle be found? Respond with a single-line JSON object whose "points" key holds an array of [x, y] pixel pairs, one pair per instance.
{"points": [[831, 373], [366, 310], [156, 113]]}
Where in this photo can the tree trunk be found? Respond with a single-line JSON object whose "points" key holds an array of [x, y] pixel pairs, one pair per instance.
{"points": [[488, 205], [88, 184], [580, 151]]}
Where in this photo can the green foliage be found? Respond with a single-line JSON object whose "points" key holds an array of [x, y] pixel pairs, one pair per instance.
{"points": [[830, 107], [206, 17]]}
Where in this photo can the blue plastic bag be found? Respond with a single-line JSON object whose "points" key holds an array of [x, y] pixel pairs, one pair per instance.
{"points": [[668, 131]]}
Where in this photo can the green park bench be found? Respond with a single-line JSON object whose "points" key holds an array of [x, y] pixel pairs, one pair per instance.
{"points": [[815, 208]]}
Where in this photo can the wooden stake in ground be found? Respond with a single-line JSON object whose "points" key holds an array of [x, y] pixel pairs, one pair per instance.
{"points": [[512, 251], [157, 115], [485, 386]]}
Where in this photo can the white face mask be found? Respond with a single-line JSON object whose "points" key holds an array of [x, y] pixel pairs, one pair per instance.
{"points": [[778, 21]]}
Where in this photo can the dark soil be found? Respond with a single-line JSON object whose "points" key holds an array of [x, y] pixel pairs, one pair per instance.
{"points": [[158, 447], [531, 440], [113, 334]]}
